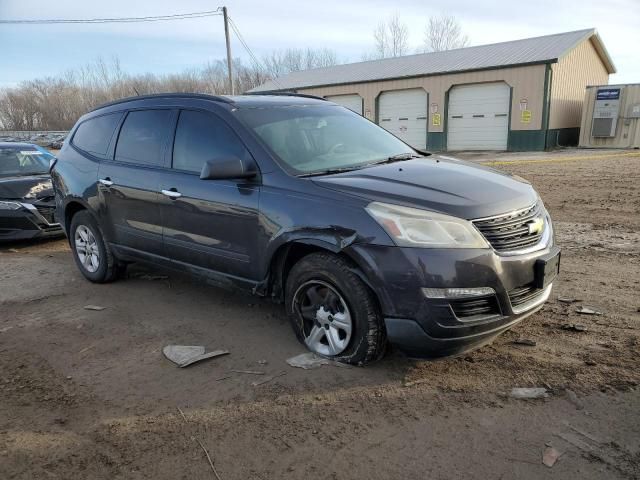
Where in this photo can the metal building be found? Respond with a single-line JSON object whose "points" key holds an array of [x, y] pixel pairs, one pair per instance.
{"points": [[519, 95], [611, 117]]}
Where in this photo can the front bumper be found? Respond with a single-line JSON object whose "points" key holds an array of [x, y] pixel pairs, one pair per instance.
{"points": [[29, 221], [431, 327]]}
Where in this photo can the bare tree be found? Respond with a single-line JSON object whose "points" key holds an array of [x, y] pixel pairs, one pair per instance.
{"points": [[56, 103], [443, 33], [390, 39]]}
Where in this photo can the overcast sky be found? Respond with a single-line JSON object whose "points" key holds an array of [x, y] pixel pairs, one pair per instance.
{"points": [[343, 25]]}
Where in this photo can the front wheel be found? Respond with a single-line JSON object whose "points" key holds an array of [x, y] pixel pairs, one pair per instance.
{"points": [[332, 311]]}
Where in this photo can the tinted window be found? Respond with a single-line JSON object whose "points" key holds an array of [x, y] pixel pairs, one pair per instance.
{"points": [[94, 135], [200, 137], [143, 136]]}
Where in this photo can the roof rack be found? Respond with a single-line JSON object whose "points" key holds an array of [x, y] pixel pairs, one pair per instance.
{"points": [[204, 96], [287, 94]]}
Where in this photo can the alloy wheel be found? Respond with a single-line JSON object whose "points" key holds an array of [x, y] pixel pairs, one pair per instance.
{"points": [[87, 248], [325, 317]]}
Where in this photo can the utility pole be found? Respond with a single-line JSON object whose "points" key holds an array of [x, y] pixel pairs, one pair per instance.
{"points": [[226, 35]]}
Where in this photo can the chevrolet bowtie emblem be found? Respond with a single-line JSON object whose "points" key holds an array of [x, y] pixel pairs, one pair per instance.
{"points": [[536, 226]]}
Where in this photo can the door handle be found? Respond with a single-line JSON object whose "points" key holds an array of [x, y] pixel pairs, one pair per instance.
{"points": [[171, 193], [106, 182]]}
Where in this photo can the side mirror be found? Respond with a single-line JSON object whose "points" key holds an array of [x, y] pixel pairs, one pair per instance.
{"points": [[224, 168]]}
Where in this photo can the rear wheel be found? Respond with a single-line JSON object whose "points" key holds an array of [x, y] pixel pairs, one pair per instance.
{"points": [[332, 311], [91, 253]]}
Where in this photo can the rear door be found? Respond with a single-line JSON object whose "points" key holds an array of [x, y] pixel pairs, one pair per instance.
{"points": [[212, 224], [129, 184]]}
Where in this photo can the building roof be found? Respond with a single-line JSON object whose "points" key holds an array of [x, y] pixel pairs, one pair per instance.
{"points": [[546, 49]]}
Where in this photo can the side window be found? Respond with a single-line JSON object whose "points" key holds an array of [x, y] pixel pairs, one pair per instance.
{"points": [[200, 137], [94, 135], [143, 136]]}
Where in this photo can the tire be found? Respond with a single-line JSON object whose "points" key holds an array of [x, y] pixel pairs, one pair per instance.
{"points": [[100, 266], [328, 280]]}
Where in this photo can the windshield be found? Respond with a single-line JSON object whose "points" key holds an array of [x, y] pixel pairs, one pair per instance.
{"points": [[317, 139], [23, 161]]}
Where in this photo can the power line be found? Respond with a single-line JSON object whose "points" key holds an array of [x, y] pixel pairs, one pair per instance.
{"points": [[156, 18], [246, 47]]}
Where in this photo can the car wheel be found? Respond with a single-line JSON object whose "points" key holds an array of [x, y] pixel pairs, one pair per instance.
{"points": [[91, 253], [332, 311]]}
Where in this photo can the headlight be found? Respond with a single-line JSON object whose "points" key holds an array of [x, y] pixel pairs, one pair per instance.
{"points": [[9, 206], [412, 227]]}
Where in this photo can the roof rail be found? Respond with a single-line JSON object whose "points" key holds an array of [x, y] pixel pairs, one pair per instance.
{"points": [[203, 96], [287, 94]]}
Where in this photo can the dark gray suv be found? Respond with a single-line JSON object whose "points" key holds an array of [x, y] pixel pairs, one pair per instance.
{"points": [[362, 237]]}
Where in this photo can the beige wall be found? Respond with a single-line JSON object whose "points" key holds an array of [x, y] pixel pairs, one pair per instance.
{"points": [[627, 130], [571, 75], [527, 83]]}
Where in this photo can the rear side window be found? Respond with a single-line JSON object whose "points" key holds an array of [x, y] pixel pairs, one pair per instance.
{"points": [[200, 137], [94, 135], [143, 136]]}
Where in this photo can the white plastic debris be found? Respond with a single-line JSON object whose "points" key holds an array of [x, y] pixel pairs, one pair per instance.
{"points": [[550, 456], [95, 308], [586, 310], [307, 361], [527, 393], [185, 355]]}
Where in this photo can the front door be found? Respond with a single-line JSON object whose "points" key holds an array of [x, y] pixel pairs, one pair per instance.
{"points": [[128, 185], [209, 224]]}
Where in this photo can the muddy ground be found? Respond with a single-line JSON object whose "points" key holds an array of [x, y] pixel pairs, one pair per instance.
{"points": [[87, 394]]}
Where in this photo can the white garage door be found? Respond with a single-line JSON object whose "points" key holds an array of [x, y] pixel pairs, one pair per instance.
{"points": [[352, 102], [404, 113], [478, 117]]}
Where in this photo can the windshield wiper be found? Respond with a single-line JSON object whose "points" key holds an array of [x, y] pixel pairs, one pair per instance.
{"points": [[333, 170], [396, 158]]}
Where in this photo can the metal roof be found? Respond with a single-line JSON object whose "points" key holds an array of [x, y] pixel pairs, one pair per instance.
{"points": [[528, 51]]}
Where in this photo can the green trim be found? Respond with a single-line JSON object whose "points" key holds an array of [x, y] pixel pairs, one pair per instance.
{"points": [[437, 142], [562, 137], [526, 140]]}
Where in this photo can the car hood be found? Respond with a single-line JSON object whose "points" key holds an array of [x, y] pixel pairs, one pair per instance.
{"points": [[31, 188], [437, 183]]}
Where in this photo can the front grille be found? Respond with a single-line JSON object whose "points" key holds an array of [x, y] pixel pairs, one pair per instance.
{"points": [[524, 294], [47, 212], [470, 307], [510, 232]]}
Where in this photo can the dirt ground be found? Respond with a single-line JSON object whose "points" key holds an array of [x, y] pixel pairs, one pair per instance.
{"points": [[88, 394]]}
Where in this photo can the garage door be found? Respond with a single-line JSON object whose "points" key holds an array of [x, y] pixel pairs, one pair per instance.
{"points": [[352, 102], [404, 113], [478, 117]]}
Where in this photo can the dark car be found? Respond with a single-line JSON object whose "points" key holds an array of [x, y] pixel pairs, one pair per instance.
{"points": [[27, 203], [362, 237]]}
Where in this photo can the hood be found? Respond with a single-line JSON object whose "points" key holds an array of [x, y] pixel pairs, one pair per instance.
{"points": [[31, 188], [446, 185]]}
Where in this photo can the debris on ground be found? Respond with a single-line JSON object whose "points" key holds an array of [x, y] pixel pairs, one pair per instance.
{"points": [[550, 456], [307, 361], [586, 310], [248, 372], [95, 308], [267, 379], [567, 300], [576, 327], [13, 250], [529, 393], [185, 355], [591, 363], [573, 398], [525, 341], [262, 362]]}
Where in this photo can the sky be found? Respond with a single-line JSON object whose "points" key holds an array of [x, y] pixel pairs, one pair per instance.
{"points": [[346, 26]]}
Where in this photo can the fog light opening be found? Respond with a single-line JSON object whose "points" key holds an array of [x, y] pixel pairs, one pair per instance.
{"points": [[457, 292]]}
